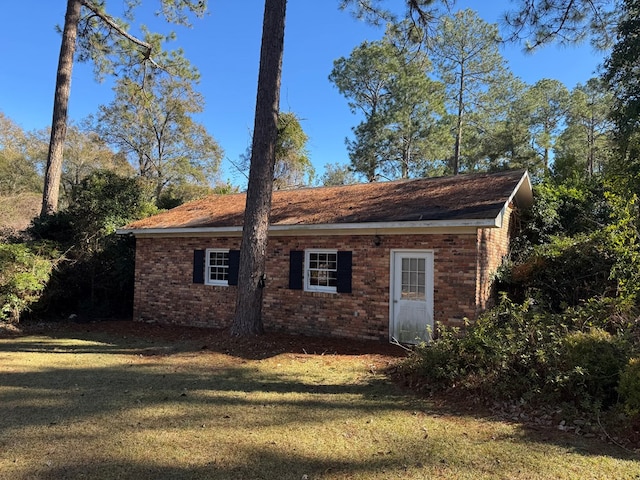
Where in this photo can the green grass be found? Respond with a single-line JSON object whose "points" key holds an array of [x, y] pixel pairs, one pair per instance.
{"points": [[103, 406]]}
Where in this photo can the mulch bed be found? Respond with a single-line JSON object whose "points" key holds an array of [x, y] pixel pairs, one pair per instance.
{"points": [[219, 340]]}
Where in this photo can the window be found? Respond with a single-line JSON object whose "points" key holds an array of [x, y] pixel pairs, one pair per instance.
{"points": [[321, 270], [217, 267], [413, 279]]}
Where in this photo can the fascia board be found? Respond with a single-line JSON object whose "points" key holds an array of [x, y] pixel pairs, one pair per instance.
{"points": [[432, 226]]}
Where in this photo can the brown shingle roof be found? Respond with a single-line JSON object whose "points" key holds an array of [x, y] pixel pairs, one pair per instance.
{"points": [[463, 197]]}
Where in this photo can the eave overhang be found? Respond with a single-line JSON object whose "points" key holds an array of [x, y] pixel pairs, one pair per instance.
{"points": [[469, 226]]}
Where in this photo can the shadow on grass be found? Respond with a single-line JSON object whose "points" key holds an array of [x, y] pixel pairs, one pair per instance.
{"points": [[262, 464], [127, 337], [213, 392], [45, 396]]}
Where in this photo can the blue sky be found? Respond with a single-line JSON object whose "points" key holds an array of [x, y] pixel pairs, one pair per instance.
{"points": [[225, 46]]}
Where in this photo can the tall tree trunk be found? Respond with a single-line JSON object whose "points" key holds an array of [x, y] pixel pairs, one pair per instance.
{"points": [[53, 170], [458, 141], [591, 142], [251, 276]]}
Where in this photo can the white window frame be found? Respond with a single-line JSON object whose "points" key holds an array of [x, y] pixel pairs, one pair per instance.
{"points": [[207, 267], [307, 275]]}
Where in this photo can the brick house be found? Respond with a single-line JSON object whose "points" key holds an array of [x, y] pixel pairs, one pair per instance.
{"points": [[374, 261]]}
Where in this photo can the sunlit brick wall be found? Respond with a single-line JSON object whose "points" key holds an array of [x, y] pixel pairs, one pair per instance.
{"points": [[165, 291], [493, 247]]}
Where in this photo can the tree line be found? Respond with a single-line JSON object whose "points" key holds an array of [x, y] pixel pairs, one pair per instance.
{"points": [[450, 105]]}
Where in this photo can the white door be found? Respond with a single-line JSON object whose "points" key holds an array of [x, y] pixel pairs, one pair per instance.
{"points": [[411, 309]]}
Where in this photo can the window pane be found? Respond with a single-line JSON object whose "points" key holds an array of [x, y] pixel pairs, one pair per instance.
{"points": [[218, 266], [413, 279], [322, 269]]}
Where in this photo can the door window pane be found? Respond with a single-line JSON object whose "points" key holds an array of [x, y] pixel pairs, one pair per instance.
{"points": [[413, 279]]}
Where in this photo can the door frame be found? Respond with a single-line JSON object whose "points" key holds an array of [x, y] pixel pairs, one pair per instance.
{"points": [[394, 256]]}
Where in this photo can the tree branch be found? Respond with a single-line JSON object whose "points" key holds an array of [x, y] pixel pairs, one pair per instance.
{"points": [[112, 23]]}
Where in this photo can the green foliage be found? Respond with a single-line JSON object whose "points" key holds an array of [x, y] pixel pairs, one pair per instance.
{"points": [[624, 240], [97, 279], [592, 362], [84, 153], [155, 129], [585, 147], [18, 169], [24, 272], [563, 273], [114, 49], [292, 165], [612, 314], [621, 74], [520, 351], [563, 209], [402, 134], [577, 242], [336, 174], [629, 387], [474, 77], [510, 352], [550, 102]]}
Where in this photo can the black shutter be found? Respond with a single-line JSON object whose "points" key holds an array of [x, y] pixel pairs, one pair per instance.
{"points": [[343, 284], [296, 261], [234, 267], [198, 266]]}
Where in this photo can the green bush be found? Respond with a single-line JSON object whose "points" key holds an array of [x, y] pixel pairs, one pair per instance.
{"points": [[592, 362], [97, 280], [567, 323], [615, 315], [564, 273], [562, 209], [509, 352], [24, 273], [520, 351], [629, 387]]}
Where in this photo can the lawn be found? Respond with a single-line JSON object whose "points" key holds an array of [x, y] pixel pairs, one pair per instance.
{"points": [[111, 400]]}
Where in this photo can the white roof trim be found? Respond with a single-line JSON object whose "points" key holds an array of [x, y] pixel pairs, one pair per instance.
{"points": [[335, 229], [522, 196]]}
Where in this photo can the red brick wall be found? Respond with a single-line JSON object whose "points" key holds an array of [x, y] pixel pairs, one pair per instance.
{"points": [[493, 246], [165, 291], [164, 288]]}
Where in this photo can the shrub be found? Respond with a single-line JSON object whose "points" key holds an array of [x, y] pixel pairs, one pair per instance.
{"points": [[563, 273], [509, 352], [520, 351], [24, 273], [562, 209], [98, 278], [629, 387], [615, 315], [592, 362]]}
